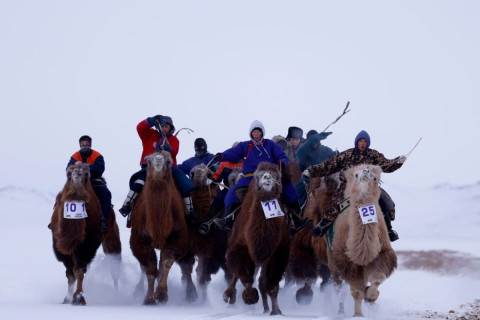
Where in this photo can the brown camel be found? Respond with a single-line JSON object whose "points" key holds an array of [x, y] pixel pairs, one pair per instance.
{"points": [[210, 248], [75, 226], [361, 251], [158, 222], [258, 241], [308, 255]]}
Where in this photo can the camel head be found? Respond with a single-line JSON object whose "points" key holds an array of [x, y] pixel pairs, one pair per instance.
{"points": [[363, 181], [200, 175], [78, 178], [159, 161], [267, 181], [78, 174]]}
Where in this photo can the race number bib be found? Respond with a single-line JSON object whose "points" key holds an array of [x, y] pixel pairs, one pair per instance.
{"points": [[271, 209], [74, 210], [368, 213]]}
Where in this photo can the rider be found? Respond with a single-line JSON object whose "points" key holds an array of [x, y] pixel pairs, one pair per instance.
{"points": [[361, 154], [310, 153], [156, 134], [201, 156], [254, 151], [96, 163]]}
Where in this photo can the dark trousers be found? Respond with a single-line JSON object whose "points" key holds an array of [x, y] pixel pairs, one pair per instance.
{"points": [[105, 198], [183, 183]]}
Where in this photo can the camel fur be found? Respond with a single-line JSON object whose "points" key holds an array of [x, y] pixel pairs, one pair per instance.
{"points": [[75, 241], [361, 253], [259, 242], [158, 222], [308, 255], [211, 248]]}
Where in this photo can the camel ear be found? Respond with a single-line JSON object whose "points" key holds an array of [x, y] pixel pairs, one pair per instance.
{"points": [[377, 170]]}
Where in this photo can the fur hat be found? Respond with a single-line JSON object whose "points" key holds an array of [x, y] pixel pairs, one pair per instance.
{"points": [[294, 132], [168, 120], [362, 135], [200, 143], [280, 141], [256, 124]]}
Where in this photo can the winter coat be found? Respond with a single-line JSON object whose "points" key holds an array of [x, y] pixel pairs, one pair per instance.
{"points": [[353, 157], [153, 141], [254, 153], [94, 160], [188, 164], [291, 153], [308, 154]]}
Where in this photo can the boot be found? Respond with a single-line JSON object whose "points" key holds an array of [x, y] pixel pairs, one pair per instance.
{"points": [[190, 212], [393, 235], [128, 204], [226, 223], [298, 223], [321, 228], [387, 206]]}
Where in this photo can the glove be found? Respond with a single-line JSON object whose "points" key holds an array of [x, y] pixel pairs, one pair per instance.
{"points": [[324, 135], [217, 158], [306, 173], [167, 147], [152, 121], [401, 159]]}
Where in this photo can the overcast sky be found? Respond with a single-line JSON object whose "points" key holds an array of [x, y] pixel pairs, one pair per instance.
{"points": [[409, 69]]}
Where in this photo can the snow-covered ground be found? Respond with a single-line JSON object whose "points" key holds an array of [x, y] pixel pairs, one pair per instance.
{"points": [[438, 252]]}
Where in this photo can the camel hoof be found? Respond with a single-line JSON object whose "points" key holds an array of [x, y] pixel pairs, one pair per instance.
{"points": [[250, 296], [78, 300], [371, 295], [276, 312], [161, 296], [230, 296], [191, 296], [304, 295], [149, 301]]}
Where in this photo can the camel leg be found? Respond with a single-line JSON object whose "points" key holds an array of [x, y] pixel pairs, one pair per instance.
{"points": [[357, 290], [262, 285], [146, 256], [230, 295], [338, 286], [186, 265], [78, 298], [326, 275], [371, 292], [140, 287], [71, 282], [161, 292], [304, 295]]}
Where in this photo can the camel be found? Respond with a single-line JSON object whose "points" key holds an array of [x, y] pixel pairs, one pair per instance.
{"points": [[259, 242], [308, 255], [158, 222], [75, 226], [210, 248], [361, 253]]}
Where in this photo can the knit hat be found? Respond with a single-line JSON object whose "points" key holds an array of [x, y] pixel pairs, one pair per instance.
{"points": [[362, 135], [311, 133], [294, 132], [200, 143]]}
